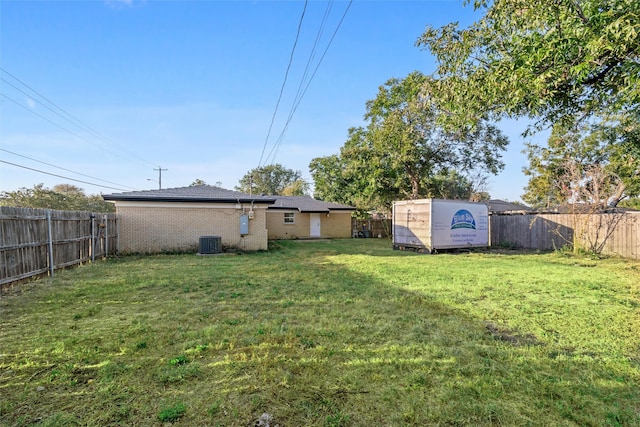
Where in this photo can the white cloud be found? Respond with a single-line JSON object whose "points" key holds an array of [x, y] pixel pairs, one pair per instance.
{"points": [[120, 4]]}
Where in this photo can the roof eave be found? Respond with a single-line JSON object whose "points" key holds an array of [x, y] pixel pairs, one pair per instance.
{"points": [[284, 208], [187, 199], [326, 210], [302, 210]]}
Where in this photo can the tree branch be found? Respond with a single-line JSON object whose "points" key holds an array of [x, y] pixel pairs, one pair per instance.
{"points": [[578, 10]]}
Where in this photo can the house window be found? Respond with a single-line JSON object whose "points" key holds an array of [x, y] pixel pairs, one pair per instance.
{"points": [[289, 218]]}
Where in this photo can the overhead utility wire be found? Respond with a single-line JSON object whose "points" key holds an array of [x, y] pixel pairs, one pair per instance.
{"points": [[286, 75], [56, 124], [73, 122], [70, 118], [67, 170], [312, 54], [309, 60], [60, 176], [274, 150], [297, 102], [306, 69], [66, 130]]}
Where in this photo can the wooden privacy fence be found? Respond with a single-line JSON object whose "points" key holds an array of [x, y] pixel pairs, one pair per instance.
{"points": [[39, 241], [607, 233], [371, 227]]}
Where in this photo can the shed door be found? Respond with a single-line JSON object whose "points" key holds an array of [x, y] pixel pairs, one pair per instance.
{"points": [[314, 230]]}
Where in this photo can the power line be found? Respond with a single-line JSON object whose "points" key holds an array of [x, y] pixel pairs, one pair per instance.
{"points": [[73, 122], [312, 54], [62, 113], [274, 150], [299, 91], [69, 117], [286, 74], [56, 124], [60, 176], [64, 169]]}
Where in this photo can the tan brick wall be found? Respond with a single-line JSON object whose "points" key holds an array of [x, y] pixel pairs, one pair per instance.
{"points": [[336, 225], [279, 230], [157, 227]]}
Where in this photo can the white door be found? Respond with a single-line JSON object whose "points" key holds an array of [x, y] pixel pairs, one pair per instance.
{"points": [[314, 230]]}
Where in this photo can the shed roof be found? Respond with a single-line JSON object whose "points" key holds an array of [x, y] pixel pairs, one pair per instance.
{"points": [[196, 193], [307, 204]]}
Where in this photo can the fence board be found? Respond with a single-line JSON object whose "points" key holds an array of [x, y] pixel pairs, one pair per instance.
{"points": [[24, 240]]}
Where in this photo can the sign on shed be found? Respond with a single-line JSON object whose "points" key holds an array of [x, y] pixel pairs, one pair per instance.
{"points": [[427, 225]]}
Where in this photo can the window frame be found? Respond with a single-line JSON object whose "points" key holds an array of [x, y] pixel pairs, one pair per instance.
{"points": [[289, 218]]}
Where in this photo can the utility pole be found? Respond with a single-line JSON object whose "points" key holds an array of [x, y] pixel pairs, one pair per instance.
{"points": [[160, 176]]}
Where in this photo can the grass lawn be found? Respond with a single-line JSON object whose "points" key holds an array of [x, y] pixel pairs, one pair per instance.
{"points": [[339, 333]]}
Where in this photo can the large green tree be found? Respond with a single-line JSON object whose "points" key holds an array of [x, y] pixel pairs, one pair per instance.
{"points": [[402, 152], [273, 180], [549, 60], [61, 197], [583, 163]]}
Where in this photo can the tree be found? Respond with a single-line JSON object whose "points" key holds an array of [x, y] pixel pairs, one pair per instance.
{"points": [[351, 178], [68, 190], [544, 59], [328, 178], [299, 187], [61, 197], [273, 180], [403, 153], [583, 163], [197, 182], [631, 203]]}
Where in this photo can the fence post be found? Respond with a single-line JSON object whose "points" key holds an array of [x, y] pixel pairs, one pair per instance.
{"points": [[106, 235], [117, 224], [50, 242], [93, 237]]}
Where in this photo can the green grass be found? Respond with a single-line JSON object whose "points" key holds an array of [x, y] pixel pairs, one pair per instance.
{"points": [[340, 333], [172, 413]]}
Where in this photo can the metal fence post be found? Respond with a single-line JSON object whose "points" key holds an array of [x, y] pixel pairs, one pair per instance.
{"points": [[50, 243]]}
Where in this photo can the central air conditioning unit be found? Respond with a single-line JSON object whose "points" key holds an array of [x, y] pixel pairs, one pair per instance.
{"points": [[210, 245]]}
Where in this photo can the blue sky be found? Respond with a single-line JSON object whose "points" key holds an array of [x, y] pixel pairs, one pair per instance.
{"points": [[192, 86]]}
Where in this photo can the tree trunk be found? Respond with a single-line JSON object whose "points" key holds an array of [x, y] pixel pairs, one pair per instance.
{"points": [[415, 187], [617, 195]]}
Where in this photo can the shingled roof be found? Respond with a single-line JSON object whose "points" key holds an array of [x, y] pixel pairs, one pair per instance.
{"points": [[196, 193], [307, 204]]}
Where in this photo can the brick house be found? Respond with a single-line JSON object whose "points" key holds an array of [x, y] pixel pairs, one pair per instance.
{"points": [[294, 217], [173, 219]]}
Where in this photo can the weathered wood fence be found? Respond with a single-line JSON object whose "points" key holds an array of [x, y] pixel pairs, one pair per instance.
{"points": [[608, 233], [371, 227], [39, 241]]}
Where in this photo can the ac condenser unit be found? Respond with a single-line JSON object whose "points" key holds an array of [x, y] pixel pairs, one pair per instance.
{"points": [[210, 245]]}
